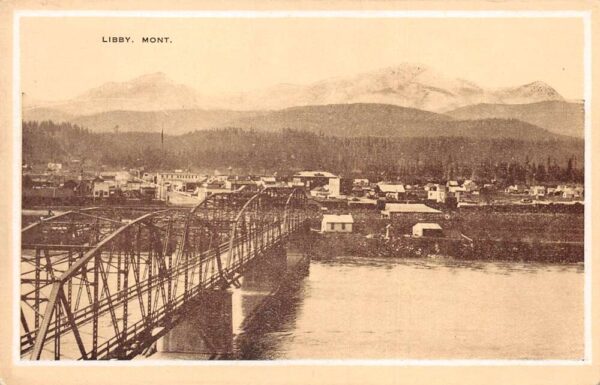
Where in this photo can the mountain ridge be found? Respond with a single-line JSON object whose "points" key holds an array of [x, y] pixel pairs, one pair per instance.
{"points": [[410, 85], [343, 120], [557, 116]]}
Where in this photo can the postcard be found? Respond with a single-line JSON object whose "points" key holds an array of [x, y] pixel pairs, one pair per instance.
{"points": [[284, 193]]}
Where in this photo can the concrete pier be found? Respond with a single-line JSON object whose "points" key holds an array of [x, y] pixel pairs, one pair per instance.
{"points": [[266, 271], [207, 329]]}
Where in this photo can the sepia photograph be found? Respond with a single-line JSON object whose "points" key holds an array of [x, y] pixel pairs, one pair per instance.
{"points": [[302, 187]]}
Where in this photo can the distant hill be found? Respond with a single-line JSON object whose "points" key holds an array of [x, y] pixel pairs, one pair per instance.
{"points": [[351, 120], [559, 117], [344, 120], [406, 85], [359, 119], [174, 122], [46, 113]]}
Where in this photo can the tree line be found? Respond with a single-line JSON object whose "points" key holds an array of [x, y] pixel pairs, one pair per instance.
{"points": [[286, 151]]}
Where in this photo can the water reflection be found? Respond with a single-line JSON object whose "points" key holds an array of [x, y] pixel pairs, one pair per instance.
{"points": [[428, 308], [422, 308], [261, 336]]}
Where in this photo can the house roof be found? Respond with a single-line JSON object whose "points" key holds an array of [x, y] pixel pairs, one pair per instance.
{"points": [[409, 208], [315, 174], [391, 188], [331, 218], [428, 226]]}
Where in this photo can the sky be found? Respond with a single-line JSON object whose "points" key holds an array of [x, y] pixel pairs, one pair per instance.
{"points": [[63, 57]]}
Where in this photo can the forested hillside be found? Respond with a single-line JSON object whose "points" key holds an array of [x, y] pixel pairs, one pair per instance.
{"points": [[288, 150]]}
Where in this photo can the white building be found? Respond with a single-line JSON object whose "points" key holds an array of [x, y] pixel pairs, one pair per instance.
{"points": [[103, 189], [120, 178], [391, 191], [537, 191], [457, 189], [178, 175], [337, 223], [469, 185], [54, 166], [427, 230], [334, 187], [267, 181], [437, 193], [312, 179]]}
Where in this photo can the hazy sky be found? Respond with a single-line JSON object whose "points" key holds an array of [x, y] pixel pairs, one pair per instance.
{"points": [[62, 57]]}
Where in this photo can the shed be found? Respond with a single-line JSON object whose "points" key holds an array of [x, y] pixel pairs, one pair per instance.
{"points": [[427, 230], [337, 223]]}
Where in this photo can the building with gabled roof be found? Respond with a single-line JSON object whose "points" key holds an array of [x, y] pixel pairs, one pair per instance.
{"points": [[332, 223]]}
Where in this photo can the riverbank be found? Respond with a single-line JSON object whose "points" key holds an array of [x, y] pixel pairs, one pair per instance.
{"points": [[328, 246], [468, 235]]}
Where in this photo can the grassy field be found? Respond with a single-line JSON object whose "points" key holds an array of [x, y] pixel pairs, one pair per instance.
{"points": [[542, 227], [524, 227]]}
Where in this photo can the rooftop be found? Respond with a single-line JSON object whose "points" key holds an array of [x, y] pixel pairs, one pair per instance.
{"points": [[346, 218], [391, 188], [315, 174], [409, 208], [429, 226]]}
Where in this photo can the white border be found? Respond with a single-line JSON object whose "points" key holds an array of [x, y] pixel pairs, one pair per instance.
{"points": [[367, 14]]}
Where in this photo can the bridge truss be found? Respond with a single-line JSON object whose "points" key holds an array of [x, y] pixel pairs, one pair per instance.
{"points": [[104, 283]]}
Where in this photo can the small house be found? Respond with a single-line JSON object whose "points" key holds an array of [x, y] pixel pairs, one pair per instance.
{"points": [[437, 193], [361, 182], [469, 185], [537, 191], [517, 189], [337, 223], [427, 230], [103, 189], [267, 181], [391, 191]]}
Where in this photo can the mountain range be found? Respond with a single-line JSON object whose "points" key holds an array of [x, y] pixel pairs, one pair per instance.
{"points": [[405, 100]]}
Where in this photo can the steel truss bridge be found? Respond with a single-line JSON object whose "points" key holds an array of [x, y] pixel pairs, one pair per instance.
{"points": [[99, 283]]}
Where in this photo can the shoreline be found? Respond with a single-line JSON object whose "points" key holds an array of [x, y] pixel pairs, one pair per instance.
{"points": [[333, 245]]}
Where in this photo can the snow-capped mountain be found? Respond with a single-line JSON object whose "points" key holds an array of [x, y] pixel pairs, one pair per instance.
{"points": [[151, 92], [405, 85]]}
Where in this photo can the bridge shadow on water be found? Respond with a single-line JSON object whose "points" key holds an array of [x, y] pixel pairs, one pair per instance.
{"points": [[271, 297], [247, 322]]}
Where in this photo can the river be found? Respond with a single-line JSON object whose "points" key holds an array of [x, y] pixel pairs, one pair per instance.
{"points": [[358, 308]]}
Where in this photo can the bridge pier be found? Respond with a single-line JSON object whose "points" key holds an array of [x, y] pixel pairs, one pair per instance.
{"points": [[206, 329], [266, 271]]}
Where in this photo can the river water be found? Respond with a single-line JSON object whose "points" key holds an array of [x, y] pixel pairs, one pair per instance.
{"points": [[358, 308]]}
